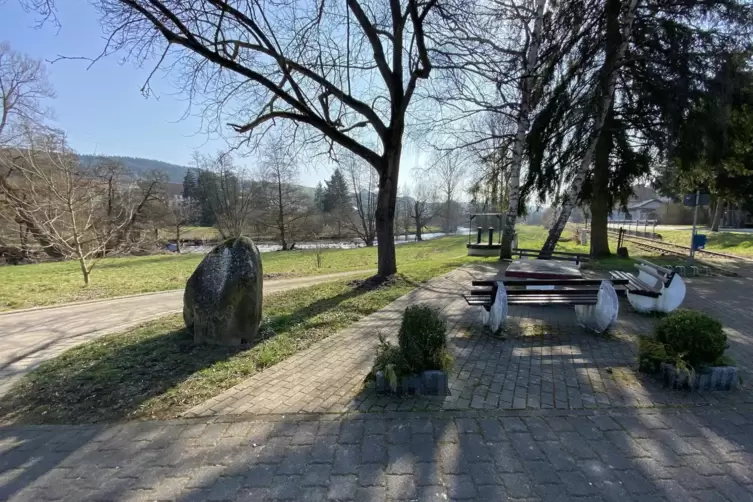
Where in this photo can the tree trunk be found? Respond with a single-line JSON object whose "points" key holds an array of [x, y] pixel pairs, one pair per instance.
{"points": [[419, 224], [508, 233], [717, 215], [84, 271], [385, 213], [601, 201], [177, 239], [608, 83]]}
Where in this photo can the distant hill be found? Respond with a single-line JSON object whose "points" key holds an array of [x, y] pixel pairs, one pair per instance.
{"points": [[138, 165]]}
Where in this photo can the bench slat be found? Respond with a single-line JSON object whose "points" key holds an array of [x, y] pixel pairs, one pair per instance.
{"points": [[552, 292]]}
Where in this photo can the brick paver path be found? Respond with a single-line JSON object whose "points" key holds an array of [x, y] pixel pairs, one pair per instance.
{"points": [[635, 455], [31, 336], [550, 413], [546, 362]]}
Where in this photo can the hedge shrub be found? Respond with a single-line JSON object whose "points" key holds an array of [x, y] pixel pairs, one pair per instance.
{"points": [[694, 337], [422, 339]]}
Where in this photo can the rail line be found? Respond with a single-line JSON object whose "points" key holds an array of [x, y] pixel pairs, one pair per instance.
{"points": [[679, 249]]}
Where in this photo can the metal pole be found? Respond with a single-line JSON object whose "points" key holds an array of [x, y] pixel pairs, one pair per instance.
{"points": [[692, 234]]}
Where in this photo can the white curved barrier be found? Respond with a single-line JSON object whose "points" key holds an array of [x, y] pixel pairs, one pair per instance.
{"points": [[672, 295], [600, 317], [497, 314]]}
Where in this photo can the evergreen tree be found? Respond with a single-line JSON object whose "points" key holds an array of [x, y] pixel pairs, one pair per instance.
{"points": [[206, 188], [319, 196], [336, 201], [336, 193], [189, 184]]}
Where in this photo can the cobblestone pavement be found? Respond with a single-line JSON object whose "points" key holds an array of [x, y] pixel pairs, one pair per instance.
{"points": [[633, 455], [548, 413], [32, 336], [545, 362]]}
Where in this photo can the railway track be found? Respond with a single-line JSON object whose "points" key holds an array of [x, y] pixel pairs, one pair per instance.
{"points": [[712, 259]]}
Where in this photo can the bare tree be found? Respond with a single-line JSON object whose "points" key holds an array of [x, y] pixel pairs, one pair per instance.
{"points": [[180, 212], [363, 180], [23, 89], [63, 205], [449, 172], [424, 197], [286, 205], [229, 193], [343, 72]]}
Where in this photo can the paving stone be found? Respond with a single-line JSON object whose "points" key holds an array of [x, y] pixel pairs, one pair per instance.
{"points": [[517, 485], [460, 487], [427, 473], [374, 450], [371, 494], [484, 473], [400, 459], [401, 487], [316, 475], [635, 482], [342, 487], [734, 492]]}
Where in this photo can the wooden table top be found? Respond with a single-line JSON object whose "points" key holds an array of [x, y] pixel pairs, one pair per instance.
{"points": [[543, 269]]}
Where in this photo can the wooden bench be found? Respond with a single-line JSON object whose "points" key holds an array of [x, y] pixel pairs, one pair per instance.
{"points": [[653, 288], [550, 255], [636, 286]]}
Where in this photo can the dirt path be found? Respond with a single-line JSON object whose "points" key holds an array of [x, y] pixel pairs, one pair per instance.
{"points": [[29, 337]]}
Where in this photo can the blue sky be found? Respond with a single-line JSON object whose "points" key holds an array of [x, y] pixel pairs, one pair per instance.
{"points": [[102, 109]]}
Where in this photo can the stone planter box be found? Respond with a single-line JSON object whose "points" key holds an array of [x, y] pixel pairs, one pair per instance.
{"points": [[428, 383], [715, 378]]}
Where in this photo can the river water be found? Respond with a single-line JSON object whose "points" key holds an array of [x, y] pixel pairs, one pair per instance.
{"points": [[265, 247]]}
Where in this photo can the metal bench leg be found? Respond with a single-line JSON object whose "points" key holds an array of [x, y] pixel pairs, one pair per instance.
{"points": [[495, 318], [600, 317]]}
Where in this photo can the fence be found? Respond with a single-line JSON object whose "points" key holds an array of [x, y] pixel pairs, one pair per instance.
{"points": [[644, 228]]}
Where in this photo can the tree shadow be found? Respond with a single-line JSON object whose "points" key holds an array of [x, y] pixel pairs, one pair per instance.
{"points": [[114, 377]]}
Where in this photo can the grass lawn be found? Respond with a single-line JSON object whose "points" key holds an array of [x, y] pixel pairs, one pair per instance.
{"points": [[155, 370], [724, 242], [60, 282]]}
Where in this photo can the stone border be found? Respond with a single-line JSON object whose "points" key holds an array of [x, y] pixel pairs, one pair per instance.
{"points": [[714, 378], [428, 383]]}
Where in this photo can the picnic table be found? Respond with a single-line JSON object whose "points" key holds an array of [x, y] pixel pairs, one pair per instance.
{"points": [[548, 282], [543, 269]]}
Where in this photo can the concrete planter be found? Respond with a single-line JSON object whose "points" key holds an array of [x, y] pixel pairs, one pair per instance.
{"points": [[714, 378], [428, 383]]}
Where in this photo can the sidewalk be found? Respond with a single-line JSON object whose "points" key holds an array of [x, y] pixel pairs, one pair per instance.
{"points": [[637, 455]]}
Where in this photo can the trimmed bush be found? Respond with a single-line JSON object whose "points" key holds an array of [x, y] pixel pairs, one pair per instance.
{"points": [[422, 339], [650, 355], [694, 337]]}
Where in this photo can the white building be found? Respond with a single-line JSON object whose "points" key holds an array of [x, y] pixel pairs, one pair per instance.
{"points": [[638, 210]]}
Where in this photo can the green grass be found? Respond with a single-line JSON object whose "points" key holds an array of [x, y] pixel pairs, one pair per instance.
{"points": [[155, 370], [724, 242], [60, 282]]}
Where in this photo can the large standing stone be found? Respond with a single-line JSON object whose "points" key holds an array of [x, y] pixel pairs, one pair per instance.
{"points": [[223, 297]]}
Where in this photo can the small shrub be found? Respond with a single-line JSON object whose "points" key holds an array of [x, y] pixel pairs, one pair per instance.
{"points": [[650, 355], [390, 360], [422, 338], [693, 337]]}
